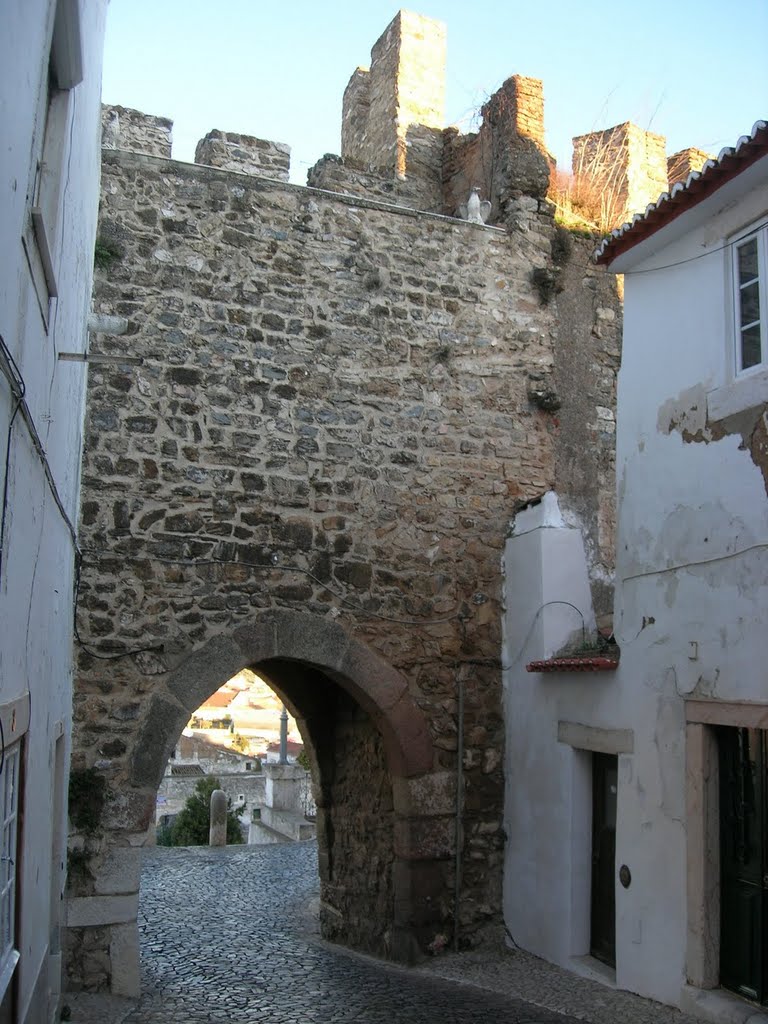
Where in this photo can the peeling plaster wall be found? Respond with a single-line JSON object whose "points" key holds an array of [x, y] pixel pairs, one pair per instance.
{"points": [[38, 557], [693, 516], [692, 562], [691, 569]]}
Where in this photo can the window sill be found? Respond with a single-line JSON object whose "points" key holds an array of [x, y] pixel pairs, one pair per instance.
{"points": [[741, 394]]}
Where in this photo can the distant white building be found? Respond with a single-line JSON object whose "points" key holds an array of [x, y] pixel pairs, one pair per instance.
{"points": [[50, 81], [637, 798]]}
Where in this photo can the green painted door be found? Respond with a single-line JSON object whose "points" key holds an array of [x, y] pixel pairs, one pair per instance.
{"points": [[744, 862]]}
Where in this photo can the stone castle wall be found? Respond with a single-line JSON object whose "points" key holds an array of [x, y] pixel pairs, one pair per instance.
{"points": [[326, 405], [331, 401]]}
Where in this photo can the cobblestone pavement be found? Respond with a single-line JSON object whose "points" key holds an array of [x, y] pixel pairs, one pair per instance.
{"points": [[527, 977], [228, 937]]}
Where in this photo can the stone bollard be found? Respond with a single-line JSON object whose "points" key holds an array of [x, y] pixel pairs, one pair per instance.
{"points": [[218, 831]]}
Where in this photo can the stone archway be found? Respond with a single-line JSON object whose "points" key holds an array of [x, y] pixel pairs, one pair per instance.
{"points": [[325, 676]]}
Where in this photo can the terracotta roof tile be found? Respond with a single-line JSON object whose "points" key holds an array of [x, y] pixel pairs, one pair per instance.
{"points": [[596, 664], [218, 700]]}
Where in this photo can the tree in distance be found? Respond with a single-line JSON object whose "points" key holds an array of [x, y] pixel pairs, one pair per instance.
{"points": [[191, 827]]}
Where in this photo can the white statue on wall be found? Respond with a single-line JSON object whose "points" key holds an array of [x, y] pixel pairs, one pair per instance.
{"points": [[475, 210], [110, 130]]}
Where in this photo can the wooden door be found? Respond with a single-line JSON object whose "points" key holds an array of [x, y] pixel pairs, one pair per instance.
{"points": [[743, 862], [605, 773]]}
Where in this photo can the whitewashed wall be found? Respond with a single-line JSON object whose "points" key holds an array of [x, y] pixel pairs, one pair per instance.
{"points": [[692, 566], [36, 591]]}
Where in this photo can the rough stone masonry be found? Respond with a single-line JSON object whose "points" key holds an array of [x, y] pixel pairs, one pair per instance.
{"points": [[304, 457]]}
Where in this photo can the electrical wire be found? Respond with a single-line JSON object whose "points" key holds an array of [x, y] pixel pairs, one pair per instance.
{"points": [[679, 263], [12, 373], [760, 546], [6, 487], [87, 647], [539, 610]]}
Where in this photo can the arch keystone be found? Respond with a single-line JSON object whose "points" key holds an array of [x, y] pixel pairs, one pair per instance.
{"points": [[302, 636]]}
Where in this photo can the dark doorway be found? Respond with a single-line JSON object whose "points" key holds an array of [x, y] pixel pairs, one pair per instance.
{"points": [[605, 772], [743, 862]]}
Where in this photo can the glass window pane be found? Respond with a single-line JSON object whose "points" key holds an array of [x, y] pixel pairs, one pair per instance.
{"points": [[747, 256], [750, 304], [750, 346], [5, 926]]}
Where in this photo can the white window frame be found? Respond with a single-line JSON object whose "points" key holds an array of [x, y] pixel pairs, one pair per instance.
{"points": [[758, 232], [64, 71], [742, 388], [10, 786]]}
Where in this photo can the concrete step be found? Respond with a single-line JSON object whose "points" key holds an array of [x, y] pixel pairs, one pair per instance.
{"points": [[260, 834]]}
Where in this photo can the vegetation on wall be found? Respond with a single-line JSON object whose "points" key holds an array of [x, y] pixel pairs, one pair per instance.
{"points": [[106, 252], [87, 796], [191, 826], [589, 201]]}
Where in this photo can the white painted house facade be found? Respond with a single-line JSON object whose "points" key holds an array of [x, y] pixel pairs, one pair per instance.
{"points": [[637, 798], [50, 82]]}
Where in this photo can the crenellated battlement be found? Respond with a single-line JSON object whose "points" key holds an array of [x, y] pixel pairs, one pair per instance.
{"points": [[244, 154], [135, 132], [395, 146], [624, 167], [685, 162]]}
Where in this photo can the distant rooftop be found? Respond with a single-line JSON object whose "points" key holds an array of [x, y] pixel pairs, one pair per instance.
{"points": [[186, 770]]}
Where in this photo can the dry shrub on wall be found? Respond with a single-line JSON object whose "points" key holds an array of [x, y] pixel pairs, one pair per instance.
{"points": [[591, 199]]}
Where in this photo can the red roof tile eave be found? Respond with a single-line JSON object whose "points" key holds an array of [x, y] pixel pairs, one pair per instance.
{"points": [[669, 207], [596, 664]]}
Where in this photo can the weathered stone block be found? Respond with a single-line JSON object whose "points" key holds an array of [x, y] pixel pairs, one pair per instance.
{"points": [[370, 679], [427, 796], [317, 641], [407, 739], [129, 809], [124, 961], [119, 872], [93, 911]]}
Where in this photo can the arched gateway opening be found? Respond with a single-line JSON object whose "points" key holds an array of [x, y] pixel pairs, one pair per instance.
{"points": [[384, 811]]}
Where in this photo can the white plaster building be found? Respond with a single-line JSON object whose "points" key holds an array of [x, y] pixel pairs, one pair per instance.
{"points": [[50, 80], [667, 755]]}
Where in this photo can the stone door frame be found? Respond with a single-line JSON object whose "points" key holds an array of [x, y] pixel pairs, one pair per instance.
{"points": [[703, 830]]}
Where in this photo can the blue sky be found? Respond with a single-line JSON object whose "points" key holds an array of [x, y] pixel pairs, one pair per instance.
{"points": [[693, 70]]}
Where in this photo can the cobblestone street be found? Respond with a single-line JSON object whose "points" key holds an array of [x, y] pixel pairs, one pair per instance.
{"points": [[228, 937]]}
